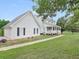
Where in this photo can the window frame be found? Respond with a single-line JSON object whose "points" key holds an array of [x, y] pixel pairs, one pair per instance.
{"points": [[18, 31], [37, 31], [34, 31], [24, 31]]}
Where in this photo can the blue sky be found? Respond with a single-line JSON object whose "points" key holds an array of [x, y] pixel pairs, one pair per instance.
{"points": [[9, 9]]}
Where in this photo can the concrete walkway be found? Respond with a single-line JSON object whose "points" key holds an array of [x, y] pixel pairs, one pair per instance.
{"points": [[26, 44]]}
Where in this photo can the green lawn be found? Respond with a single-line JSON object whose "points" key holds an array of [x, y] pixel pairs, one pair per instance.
{"points": [[66, 47]]}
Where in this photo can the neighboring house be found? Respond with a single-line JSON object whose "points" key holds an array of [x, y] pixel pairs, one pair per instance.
{"points": [[28, 25]]}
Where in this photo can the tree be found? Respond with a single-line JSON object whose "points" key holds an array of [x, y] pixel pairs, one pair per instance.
{"points": [[72, 24], [47, 8], [2, 23], [50, 7], [61, 22]]}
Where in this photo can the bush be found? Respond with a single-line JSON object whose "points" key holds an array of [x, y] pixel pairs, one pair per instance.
{"points": [[75, 30], [1, 32], [3, 40]]}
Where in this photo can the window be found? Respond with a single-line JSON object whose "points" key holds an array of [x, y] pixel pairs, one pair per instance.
{"points": [[53, 28], [24, 30], [49, 28], [34, 30], [58, 28], [37, 30], [18, 31]]}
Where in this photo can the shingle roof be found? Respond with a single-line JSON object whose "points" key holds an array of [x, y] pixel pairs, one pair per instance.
{"points": [[18, 17], [14, 20], [38, 20]]}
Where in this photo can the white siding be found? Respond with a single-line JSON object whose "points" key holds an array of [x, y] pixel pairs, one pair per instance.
{"points": [[27, 21], [7, 32]]}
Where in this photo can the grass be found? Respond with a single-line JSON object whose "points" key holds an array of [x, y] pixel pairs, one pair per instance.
{"points": [[24, 40], [66, 47]]}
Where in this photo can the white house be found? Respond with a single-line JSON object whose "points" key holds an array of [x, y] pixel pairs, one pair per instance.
{"points": [[28, 25]]}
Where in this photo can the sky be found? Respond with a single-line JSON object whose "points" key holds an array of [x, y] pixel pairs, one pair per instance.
{"points": [[9, 9]]}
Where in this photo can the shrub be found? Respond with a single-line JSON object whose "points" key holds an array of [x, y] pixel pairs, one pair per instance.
{"points": [[3, 40], [1, 32]]}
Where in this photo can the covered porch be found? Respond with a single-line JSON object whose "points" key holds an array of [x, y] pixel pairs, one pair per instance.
{"points": [[53, 30]]}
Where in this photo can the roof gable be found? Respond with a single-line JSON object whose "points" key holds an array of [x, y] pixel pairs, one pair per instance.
{"points": [[18, 18], [37, 19]]}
